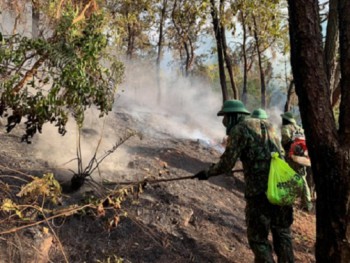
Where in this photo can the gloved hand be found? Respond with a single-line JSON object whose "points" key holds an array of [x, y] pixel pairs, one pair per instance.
{"points": [[202, 175]]}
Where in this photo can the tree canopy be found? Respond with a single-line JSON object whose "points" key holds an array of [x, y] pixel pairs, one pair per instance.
{"points": [[64, 71]]}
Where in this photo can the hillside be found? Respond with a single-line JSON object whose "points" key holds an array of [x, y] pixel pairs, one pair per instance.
{"points": [[167, 222]]}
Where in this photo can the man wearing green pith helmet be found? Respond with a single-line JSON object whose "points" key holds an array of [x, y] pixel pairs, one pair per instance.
{"points": [[252, 140]]}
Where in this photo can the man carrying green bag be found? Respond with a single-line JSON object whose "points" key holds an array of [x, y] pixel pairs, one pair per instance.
{"points": [[252, 140]]}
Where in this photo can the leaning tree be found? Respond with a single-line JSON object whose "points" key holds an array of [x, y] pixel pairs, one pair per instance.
{"points": [[328, 143]]}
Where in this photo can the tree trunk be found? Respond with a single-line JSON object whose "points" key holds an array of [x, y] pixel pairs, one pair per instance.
{"points": [[131, 41], [329, 152], [189, 48], [218, 37], [229, 64], [335, 83], [245, 60], [160, 49], [344, 49], [261, 70], [35, 21], [161, 34], [331, 38], [290, 93], [188, 58], [227, 56], [186, 42]]}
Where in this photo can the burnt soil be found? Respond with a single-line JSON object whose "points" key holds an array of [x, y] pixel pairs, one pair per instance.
{"points": [[177, 221]]}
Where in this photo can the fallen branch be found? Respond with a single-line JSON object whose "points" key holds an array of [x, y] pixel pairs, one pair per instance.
{"points": [[58, 240], [67, 213], [16, 171]]}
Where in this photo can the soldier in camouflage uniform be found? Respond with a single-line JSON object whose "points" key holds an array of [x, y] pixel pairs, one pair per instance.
{"points": [[289, 131], [252, 140]]}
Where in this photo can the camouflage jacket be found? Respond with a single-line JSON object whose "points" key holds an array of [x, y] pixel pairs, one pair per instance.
{"points": [[287, 133], [250, 142]]}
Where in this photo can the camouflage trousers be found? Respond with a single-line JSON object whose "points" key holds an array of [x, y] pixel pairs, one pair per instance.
{"points": [[261, 217]]}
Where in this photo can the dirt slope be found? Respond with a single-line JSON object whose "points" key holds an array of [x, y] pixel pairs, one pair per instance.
{"points": [[179, 221]]}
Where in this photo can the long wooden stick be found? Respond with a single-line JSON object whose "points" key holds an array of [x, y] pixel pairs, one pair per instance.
{"points": [[145, 181]]}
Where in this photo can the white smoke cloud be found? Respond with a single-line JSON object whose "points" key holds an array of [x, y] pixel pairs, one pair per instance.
{"points": [[186, 109], [98, 135], [183, 107]]}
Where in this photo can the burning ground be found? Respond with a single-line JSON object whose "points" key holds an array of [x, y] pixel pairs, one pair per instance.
{"points": [[176, 221]]}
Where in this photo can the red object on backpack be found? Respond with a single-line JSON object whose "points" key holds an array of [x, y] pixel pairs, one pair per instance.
{"points": [[298, 151], [298, 147]]}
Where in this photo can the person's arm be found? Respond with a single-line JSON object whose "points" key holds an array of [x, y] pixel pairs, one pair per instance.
{"points": [[235, 144]]}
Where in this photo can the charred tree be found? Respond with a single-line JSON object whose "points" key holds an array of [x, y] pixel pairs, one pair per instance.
{"points": [[329, 148]]}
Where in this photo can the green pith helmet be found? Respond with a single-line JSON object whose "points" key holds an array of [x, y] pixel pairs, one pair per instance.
{"points": [[259, 114], [288, 116], [233, 106]]}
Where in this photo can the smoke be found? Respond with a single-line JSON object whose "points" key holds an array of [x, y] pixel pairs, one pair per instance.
{"points": [[97, 137], [275, 117], [174, 107], [179, 106]]}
